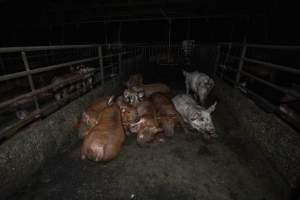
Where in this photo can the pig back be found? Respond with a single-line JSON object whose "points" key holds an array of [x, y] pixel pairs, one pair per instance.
{"points": [[150, 89], [183, 104], [104, 142], [89, 117]]}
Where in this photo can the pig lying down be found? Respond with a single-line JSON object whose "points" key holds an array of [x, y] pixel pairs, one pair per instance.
{"points": [[147, 127], [196, 116], [128, 113], [200, 83], [104, 141], [167, 115], [89, 118]]}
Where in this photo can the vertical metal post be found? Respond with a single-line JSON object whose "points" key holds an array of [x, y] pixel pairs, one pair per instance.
{"points": [[2, 65], [217, 60], [31, 83], [170, 31], [228, 53], [238, 75], [120, 66], [101, 65]]}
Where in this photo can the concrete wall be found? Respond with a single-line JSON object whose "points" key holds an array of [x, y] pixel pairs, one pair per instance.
{"points": [[25, 153], [268, 138]]}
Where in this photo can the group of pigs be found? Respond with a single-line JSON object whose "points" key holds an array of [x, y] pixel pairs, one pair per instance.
{"points": [[145, 111]]}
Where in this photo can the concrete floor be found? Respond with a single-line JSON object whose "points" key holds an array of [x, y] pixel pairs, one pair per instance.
{"points": [[181, 168], [184, 167]]}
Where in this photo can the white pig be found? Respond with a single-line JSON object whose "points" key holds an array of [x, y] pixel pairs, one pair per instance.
{"points": [[196, 116], [200, 83]]}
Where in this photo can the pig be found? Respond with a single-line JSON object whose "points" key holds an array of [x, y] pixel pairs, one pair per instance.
{"points": [[196, 116], [62, 91], [147, 127], [167, 115], [105, 140], [89, 117], [200, 83], [128, 113], [150, 89], [133, 96], [135, 80]]}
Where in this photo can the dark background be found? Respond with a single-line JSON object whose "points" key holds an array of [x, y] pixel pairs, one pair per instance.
{"points": [[53, 22]]}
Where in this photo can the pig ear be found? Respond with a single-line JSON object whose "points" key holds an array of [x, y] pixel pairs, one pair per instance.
{"points": [[212, 108], [194, 116], [142, 120]]}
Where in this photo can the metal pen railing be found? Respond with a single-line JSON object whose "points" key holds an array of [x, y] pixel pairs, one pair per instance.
{"points": [[224, 68], [96, 56]]}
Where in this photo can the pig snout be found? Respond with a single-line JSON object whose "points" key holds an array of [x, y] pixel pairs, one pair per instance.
{"points": [[211, 131]]}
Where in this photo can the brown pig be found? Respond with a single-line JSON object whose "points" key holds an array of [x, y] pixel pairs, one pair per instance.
{"points": [[105, 140], [128, 113], [167, 115], [147, 127], [89, 118], [150, 89], [135, 80]]}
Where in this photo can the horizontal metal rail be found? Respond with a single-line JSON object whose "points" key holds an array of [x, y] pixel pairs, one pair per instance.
{"points": [[11, 129], [44, 48], [282, 89], [44, 69], [44, 89], [266, 46], [267, 64], [275, 66]]}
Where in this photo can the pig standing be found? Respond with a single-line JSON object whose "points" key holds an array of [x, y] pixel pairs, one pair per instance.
{"points": [[89, 118], [105, 140], [200, 83], [128, 113], [150, 89], [134, 80], [196, 116], [167, 115], [147, 127]]}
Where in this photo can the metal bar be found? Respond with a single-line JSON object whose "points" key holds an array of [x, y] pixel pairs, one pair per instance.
{"points": [[282, 89], [149, 19], [267, 64], [12, 129], [41, 90], [274, 66], [31, 83], [286, 47], [120, 66], [100, 56], [217, 60], [260, 98], [243, 54], [169, 37], [44, 69], [228, 53], [42, 48]]}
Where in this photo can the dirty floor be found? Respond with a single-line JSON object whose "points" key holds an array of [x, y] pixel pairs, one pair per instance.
{"points": [[180, 168]]}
